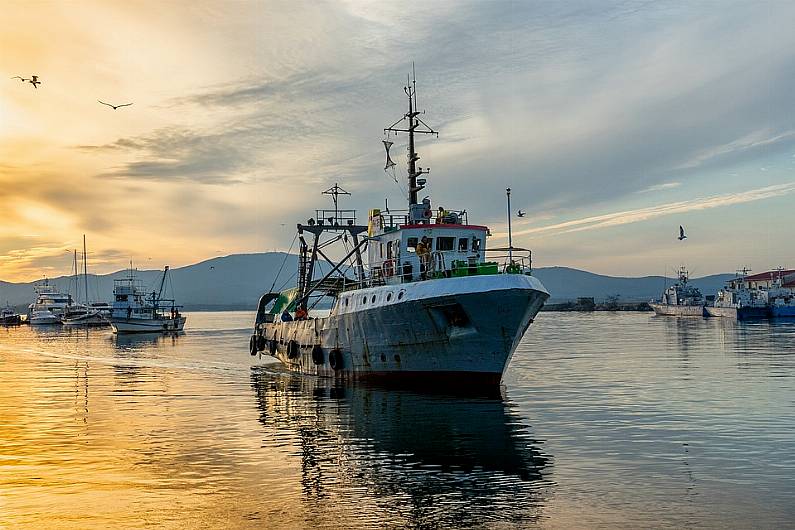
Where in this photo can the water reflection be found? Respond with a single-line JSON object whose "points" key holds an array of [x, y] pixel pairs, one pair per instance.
{"points": [[410, 457]]}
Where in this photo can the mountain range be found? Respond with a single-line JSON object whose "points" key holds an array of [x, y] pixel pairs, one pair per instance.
{"points": [[237, 281]]}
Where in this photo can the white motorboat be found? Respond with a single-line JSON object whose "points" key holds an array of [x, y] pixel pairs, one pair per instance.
{"points": [[49, 305]]}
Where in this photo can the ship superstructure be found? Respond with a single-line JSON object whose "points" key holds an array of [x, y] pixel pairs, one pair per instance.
{"points": [[680, 299], [414, 293]]}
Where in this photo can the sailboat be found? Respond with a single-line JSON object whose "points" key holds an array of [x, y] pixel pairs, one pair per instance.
{"points": [[83, 314]]}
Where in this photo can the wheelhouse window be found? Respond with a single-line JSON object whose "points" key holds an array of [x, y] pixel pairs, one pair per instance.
{"points": [[463, 244], [411, 244], [445, 243], [475, 244]]}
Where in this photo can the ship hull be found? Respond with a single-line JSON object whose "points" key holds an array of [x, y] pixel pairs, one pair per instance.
{"points": [[742, 313], [678, 310], [12, 320], [463, 329], [44, 318], [87, 320], [141, 325], [786, 311]]}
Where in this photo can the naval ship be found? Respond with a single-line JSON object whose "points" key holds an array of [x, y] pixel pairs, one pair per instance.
{"points": [[680, 299], [414, 295]]}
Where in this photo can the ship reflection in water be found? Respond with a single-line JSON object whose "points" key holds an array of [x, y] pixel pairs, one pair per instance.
{"points": [[405, 457]]}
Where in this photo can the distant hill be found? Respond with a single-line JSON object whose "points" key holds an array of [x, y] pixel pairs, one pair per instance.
{"points": [[565, 283], [237, 281]]}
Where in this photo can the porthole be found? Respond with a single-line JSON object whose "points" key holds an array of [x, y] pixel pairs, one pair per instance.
{"points": [[383, 358], [388, 297], [397, 358], [372, 300], [345, 302], [400, 295], [364, 300]]}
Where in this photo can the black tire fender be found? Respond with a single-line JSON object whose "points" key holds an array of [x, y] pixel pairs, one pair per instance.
{"points": [[335, 359], [293, 349], [318, 356], [252, 345]]}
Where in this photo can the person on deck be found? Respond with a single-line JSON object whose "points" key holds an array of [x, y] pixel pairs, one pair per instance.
{"points": [[424, 254], [301, 314]]}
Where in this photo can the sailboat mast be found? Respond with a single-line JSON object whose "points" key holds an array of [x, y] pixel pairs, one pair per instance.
{"points": [[85, 267], [76, 276]]}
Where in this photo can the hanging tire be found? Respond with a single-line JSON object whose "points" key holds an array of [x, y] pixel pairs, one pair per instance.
{"points": [[252, 345], [293, 350], [261, 343], [318, 357], [272, 346], [335, 359]]}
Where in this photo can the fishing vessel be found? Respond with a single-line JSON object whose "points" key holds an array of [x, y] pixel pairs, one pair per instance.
{"points": [[49, 305], [9, 317], [136, 311], [740, 300], [680, 299], [428, 303], [84, 313]]}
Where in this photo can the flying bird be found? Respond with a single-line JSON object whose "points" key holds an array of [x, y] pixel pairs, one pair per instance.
{"points": [[114, 107], [34, 80], [682, 235], [520, 213]]}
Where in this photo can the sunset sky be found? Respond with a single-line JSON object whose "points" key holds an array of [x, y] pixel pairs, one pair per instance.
{"points": [[614, 123]]}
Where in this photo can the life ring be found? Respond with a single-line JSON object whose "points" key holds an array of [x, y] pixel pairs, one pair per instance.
{"points": [[427, 214], [272, 346], [389, 268], [261, 343], [293, 349], [317, 354], [252, 345], [335, 359]]}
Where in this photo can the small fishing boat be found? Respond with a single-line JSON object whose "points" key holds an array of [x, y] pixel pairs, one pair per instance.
{"points": [[9, 317], [135, 311], [740, 300]]}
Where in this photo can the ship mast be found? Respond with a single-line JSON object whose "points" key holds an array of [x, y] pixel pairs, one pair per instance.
{"points": [[415, 126]]}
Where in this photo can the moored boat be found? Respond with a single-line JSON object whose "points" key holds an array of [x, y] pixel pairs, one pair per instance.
{"points": [[135, 311], [49, 305], [680, 299], [739, 300], [428, 305], [83, 314], [9, 317]]}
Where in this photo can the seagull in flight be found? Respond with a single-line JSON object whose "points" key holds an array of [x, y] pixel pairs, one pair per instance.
{"points": [[520, 213], [34, 80], [682, 235], [114, 107]]}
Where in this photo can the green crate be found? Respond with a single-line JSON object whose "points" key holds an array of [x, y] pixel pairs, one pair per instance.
{"points": [[460, 271], [489, 267]]}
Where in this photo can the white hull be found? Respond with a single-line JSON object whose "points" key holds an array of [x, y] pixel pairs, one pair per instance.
{"points": [[466, 327], [43, 318], [147, 325], [91, 319]]}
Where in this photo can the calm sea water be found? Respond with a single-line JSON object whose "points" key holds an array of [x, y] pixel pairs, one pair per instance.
{"points": [[605, 420]]}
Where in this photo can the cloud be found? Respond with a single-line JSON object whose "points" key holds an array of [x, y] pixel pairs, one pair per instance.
{"points": [[661, 187], [651, 212]]}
